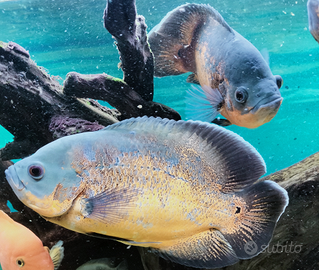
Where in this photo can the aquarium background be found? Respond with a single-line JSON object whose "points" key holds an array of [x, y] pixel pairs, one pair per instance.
{"points": [[64, 36]]}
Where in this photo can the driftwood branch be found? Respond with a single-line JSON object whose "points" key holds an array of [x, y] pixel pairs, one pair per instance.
{"points": [[31, 102], [35, 109]]}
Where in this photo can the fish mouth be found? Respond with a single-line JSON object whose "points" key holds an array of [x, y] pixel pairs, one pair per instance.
{"points": [[273, 105], [13, 178]]}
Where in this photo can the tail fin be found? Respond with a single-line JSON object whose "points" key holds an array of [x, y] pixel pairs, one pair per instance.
{"points": [[265, 202]]}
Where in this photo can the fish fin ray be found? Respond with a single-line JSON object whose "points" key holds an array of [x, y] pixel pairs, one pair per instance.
{"points": [[203, 103], [221, 122], [110, 206], [174, 35], [235, 162], [264, 204], [207, 249], [57, 254]]}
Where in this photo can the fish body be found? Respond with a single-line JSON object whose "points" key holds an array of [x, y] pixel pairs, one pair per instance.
{"points": [[183, 189], [21, 248], [103, 264], [313, 18], [234, 77]]}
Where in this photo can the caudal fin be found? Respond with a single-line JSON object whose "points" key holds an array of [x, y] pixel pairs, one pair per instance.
{"points": [[264, 204]]}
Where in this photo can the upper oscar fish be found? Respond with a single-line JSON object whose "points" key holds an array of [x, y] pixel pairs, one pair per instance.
{"points": [[22, 249], [313, 18], [185, 189], [234, 77]]}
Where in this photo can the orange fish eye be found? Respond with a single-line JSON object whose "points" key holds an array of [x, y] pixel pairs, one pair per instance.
{"points": [[20, 262]]}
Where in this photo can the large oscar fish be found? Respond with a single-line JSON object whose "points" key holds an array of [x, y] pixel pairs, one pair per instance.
{"points": [[235, 79], [184, 189], [313, 18]]}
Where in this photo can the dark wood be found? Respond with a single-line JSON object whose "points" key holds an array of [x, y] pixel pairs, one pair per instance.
{"points": [[36, 110]]}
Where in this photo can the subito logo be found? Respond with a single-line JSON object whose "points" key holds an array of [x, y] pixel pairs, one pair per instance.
{"points": [[251, 248]]}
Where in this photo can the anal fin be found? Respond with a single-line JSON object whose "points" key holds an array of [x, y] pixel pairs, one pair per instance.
{"points": [[207, 249]]}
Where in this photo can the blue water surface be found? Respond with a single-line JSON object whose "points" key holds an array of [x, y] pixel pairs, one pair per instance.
{"points": [[65, 36]]}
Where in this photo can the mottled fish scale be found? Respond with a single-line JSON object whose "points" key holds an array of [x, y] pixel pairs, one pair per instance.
{"points": [[181, 188]]}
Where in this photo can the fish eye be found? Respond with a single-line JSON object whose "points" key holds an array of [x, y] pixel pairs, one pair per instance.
{"points": [[241, 95], [36, 172], [20, 262], [279, 81]]}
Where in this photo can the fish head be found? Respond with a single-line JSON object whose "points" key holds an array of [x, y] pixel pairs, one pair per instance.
{"points": [[28, 257], [47, 181], [252, 107], [251, 92]]}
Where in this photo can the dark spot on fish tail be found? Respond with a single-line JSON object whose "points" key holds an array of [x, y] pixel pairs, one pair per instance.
{"points": [[237, 210]]}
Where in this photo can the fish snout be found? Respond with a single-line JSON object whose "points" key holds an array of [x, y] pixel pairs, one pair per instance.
{"points": [[13, 179], [264, 113]]}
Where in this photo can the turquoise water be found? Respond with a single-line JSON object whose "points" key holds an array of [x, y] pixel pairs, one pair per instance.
{"points": [[65, 36]]}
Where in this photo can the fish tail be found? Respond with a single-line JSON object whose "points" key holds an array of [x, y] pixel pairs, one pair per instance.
{"points": [[173, 40], [263, 205]]}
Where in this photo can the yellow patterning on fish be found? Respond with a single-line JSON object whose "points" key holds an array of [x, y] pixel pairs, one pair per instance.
{"points": [[183, 189]]}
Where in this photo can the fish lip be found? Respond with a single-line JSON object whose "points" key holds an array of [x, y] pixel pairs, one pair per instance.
{"points": [[13, 179], [268, 104]]}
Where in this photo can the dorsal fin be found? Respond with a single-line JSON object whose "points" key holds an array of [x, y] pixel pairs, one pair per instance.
{"points": [[172, 39], [235, 162]]}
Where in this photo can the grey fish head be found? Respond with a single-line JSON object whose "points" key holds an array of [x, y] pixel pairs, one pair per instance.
{"points": [[252, 96], [46, 181]]}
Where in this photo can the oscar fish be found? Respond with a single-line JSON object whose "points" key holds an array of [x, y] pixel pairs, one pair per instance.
{"points": [[22, 249], [235, 79], [313, 18], [184, 189]]}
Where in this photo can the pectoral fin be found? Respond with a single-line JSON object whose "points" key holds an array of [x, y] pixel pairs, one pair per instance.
{"points": [[110, 206], [208, 249], [203, 103], [57, 254]]}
